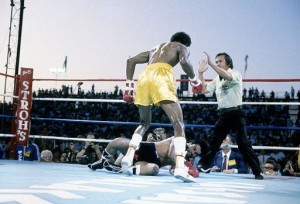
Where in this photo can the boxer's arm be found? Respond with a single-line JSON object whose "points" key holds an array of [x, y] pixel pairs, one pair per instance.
{"points": [[132, 61]]}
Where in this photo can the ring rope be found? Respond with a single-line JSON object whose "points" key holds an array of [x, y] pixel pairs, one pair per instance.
{"points": [[178, 80], [182, 102], [107, 141], [8, 95], [122, 101], [270, 147], [183, 80], [60, 138], [7, 75], [152, 124]]}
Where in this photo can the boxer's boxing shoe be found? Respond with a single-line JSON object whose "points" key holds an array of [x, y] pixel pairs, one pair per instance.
{"points": [[125, 164], [183, 175], [96, 165], [112, 167]]}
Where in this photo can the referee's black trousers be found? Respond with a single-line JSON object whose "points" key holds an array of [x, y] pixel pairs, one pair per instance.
{"points": [[236, 121]]}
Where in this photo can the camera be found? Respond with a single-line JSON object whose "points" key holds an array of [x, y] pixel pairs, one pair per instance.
{"points": [[156, 137], [90, 148]]}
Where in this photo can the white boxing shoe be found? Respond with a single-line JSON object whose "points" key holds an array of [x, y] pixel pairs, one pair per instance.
{"points": [[126, 164], [182, 174]]}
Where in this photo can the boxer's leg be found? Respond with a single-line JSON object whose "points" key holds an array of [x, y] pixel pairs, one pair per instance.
{"points": [[145, 120]]}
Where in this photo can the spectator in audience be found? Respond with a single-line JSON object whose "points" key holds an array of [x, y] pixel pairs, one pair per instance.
{"points": [[90, 152], [79, 144], [46, 156], [63, 157], [279, 156], [292, 92], [3, 149], [287, 96], [56, 155], [271, 167], [272, 95], [71, 153], [292, 167], [263, 156], [228, 161], [30, 152]]}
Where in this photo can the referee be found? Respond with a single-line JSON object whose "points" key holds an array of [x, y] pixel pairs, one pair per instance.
{"points": [[228, 89]]}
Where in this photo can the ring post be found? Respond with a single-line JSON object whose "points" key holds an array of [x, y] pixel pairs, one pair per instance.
{"points": [[23, 112]]}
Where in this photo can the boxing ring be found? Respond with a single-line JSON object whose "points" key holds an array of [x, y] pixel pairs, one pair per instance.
{"points": [[44, 183], [27, 182]]}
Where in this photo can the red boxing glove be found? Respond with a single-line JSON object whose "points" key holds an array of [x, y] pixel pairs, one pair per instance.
{"points": [[188, 164], [128, 94], [197, 89], [192, 170], [196, 85]]}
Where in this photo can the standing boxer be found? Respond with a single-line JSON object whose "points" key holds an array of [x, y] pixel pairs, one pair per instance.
{"points": [[156, 86]]}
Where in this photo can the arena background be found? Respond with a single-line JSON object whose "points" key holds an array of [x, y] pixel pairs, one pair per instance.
{"points": [[78, 88]]}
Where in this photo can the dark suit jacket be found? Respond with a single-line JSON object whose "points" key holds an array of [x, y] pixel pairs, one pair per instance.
{"points": [[236, 161]]}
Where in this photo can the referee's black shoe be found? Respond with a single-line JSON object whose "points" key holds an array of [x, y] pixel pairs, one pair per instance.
{"points": [[259, 177]]}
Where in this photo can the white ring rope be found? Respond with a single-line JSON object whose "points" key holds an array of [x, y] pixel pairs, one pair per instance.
{"points": [[182, 102], [60, 138], [270, 147], [107, 141], [122, 101], [8, 95]]}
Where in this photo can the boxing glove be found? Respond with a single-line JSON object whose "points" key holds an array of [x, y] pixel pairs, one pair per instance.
{"points": [[188, 164], [192, 170], [128, 93], [196, 85]]}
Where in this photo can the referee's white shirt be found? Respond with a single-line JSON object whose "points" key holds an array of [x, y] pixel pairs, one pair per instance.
{"points": [[229, 93]]}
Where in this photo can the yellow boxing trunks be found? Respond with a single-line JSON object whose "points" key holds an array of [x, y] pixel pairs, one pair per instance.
{"points": [[155, 84]]}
